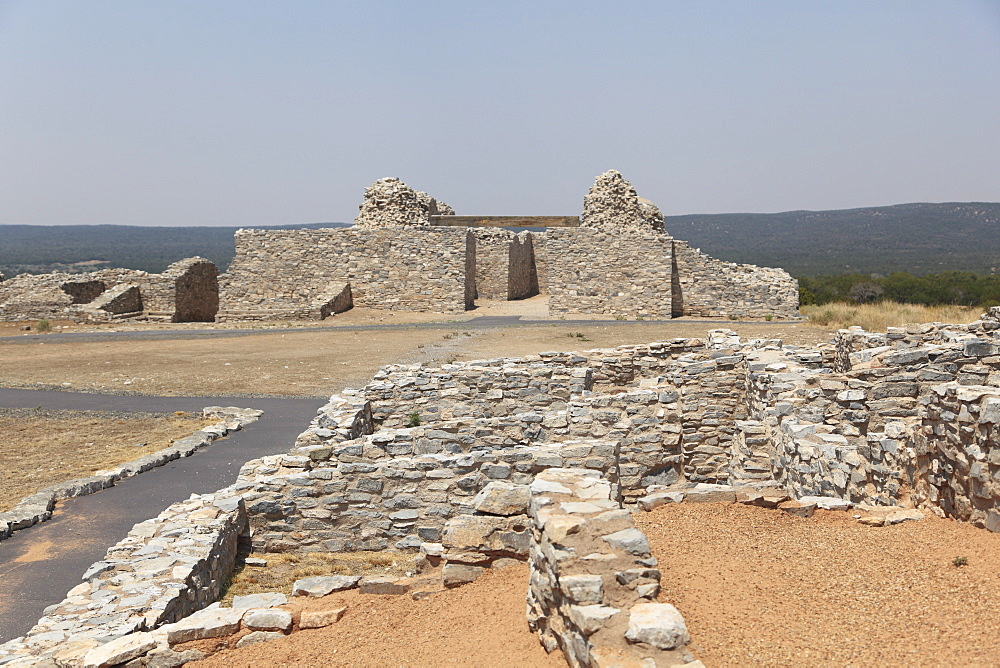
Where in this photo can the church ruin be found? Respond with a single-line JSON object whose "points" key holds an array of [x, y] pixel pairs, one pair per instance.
{"points": [[408, 251]]}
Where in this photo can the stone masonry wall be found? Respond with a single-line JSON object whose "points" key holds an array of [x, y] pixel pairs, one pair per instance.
{"points": [[624, 274], [713, 288], [280, 274], [522, 276], [957, 453]]}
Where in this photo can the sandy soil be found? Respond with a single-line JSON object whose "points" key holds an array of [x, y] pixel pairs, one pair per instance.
{"points": [[319, 361], [284, 568], [760, 587], [481, 624], [41, 448]]}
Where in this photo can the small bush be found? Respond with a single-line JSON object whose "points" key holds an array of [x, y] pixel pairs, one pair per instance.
{"points": [[619, 317], [44, 325], [732, 317], [769, 317], [413, 419], [960, 561]]}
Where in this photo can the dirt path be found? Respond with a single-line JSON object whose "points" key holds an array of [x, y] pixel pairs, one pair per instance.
{"points": [[481, 624], [760, 587]]}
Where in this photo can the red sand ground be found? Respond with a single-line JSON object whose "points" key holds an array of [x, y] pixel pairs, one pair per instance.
{"points": [[760, 587], [480, 624]]}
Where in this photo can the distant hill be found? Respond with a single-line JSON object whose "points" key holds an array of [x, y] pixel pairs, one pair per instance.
{"points": [[918, 238], [40, 249]]}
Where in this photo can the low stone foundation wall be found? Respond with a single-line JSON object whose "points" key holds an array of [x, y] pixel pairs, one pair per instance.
{"points": [[166, 568], [956, 452], [593, 585]]}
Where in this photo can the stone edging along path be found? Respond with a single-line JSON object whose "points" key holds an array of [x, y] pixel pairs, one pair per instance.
{"points": [[38, 507]]}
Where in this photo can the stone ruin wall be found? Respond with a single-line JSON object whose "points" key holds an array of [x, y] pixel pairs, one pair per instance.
{"points": [[293, 274], [188, 291], [710, 288], [619, 262], [621, 274]]}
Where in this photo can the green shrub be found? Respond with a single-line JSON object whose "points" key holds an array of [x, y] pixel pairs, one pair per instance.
{"points": [[44, 325], [413, 419]]}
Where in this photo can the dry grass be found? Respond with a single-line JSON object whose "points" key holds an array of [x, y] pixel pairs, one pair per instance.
{"points": [[876, 317], [283, 569], [41, 448]]}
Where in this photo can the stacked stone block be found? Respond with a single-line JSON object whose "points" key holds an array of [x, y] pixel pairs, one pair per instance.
{"points": [[593, 584]]}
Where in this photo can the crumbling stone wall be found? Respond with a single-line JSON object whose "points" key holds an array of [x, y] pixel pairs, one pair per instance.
{"points": [[187, 291], [390, 203], [711, 288], [612, 205], [191, 287], [492, 262], [522, 276], [505, 264], [83, 292]]}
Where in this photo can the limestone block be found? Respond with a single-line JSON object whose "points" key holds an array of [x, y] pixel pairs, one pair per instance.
{"points": [[591, 618], [457, 574], [268, 619], [264, 600], [501, 498], [658, 624], [316, 619], [258, 637], [119, 650], [208, 623], [631, 540], [383, 586]]}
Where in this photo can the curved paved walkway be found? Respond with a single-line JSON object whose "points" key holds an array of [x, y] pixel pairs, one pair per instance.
{"points": [[39, 565]]}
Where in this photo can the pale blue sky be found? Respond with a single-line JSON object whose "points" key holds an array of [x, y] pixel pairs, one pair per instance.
{"points": [[246, 113]]}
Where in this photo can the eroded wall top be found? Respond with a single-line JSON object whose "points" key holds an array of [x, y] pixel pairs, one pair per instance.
{"points": [[389, 202], [613, 205]]}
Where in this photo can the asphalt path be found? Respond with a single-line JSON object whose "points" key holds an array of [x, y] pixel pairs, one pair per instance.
{"points": [[40, 564]]}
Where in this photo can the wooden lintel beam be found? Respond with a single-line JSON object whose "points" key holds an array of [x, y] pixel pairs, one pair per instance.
{"points": [[506, 221]]}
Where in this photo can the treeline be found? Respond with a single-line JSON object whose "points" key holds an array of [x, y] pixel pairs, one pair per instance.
{"points": [[958, 288], [38, 249]]}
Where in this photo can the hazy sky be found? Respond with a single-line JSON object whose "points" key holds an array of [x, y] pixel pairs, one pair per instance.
{"points": [[244, 113]]}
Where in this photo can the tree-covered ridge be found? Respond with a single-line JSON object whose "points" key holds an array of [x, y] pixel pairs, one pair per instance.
{"points": [[40, 249], [959, 288], [916, 238]]}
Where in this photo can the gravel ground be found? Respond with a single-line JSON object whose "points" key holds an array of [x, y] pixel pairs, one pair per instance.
{"points": [[760, 587]]}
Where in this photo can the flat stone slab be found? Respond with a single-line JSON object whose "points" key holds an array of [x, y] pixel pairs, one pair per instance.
{"points": [[383, 586], [207, 623], [321, 585], [265, 600]]}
